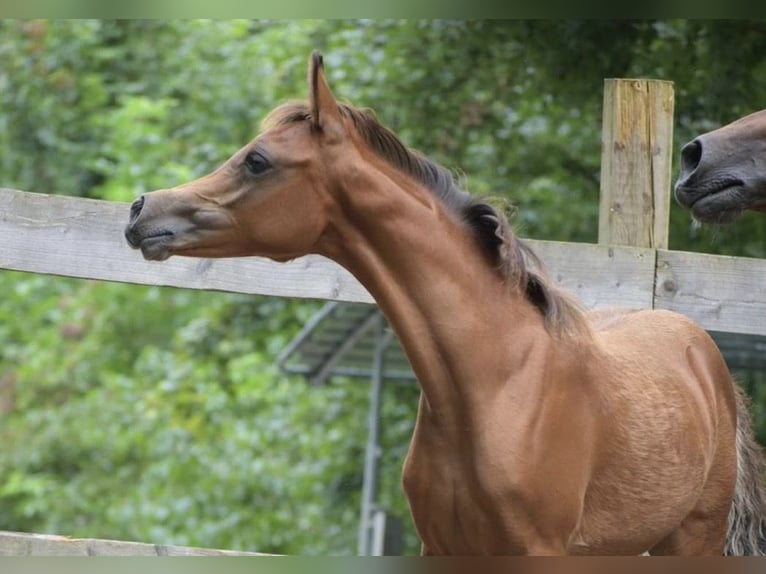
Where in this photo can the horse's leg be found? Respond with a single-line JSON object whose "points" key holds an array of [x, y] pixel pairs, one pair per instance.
{"points": [[550, 548], [534, 549], [698, 535], [704, 530]]}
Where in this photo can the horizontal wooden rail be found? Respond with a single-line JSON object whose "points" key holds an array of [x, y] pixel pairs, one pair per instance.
{"points": [[84, 238], [722, 293], [79, 237], [23, 544]]}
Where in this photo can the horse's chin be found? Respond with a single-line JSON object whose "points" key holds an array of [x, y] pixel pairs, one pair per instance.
{"points": [[721, 207], [719, 216], [162, 247], [156, 248]]}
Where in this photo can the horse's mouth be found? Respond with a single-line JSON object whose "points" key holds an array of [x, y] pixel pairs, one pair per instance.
{"points": [[154, 247], [721, 203]]}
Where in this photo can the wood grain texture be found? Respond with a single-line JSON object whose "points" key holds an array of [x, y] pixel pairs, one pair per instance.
{"points": [[601, 276], [662, 102], [83, 238], [23, 544], [720, 293], [636, 157]]}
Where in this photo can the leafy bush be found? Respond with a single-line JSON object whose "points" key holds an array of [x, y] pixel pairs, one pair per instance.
{"points": [[157, 414]]}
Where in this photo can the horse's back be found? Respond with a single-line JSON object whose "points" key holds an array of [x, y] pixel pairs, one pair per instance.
{"points": [[661, 338], [666, 366]]}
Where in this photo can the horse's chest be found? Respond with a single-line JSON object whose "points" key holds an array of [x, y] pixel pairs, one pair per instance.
{"points": [[474, 492], [453, 510], [444, 505]]}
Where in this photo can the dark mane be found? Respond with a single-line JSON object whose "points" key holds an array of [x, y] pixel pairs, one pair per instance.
{"points": [[513, 258]]}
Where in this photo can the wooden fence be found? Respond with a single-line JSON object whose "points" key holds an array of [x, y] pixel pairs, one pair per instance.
{"points": [[83, 238], [25, 544], [630, 266]]}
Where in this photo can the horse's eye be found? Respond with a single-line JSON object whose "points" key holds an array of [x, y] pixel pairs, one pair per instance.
{"points": [[257, 163]]}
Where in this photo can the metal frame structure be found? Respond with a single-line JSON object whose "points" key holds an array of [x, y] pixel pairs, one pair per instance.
{"points": [[354, 340]]}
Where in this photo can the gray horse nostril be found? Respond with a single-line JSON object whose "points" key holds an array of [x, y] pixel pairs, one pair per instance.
{"points": [[691, 154], [135, 208]]}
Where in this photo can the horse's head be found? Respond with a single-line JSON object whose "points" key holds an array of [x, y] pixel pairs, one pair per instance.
{"points": [[723, 172], [271, 198]]}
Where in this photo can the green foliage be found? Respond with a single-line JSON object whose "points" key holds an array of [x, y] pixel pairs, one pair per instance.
{"points": [[133, 159], [170, 423], [157, 414]]}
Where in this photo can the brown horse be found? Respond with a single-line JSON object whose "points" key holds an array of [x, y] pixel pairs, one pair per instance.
{"points": [[723, 172], [541, 429]]}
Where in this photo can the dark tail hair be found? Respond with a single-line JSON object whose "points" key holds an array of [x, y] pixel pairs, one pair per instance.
{"points": [[747, 517]]}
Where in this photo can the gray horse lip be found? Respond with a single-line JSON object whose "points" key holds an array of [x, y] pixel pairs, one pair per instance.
{"points": [[155, 239], [156, 247], [716, 206], [694, 195], [136, 240]]}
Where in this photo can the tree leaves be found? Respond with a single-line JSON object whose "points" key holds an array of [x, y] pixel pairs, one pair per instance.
{"points": [[157, 414]]}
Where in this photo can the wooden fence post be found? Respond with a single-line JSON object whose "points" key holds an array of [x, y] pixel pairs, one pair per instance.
{"points": [[636, 157]]}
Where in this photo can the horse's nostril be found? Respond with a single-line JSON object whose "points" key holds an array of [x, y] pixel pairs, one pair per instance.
{"points": [[691, 154], [135, 208]]}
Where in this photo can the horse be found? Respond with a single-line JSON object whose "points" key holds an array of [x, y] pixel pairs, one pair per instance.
{"points": [[723, 171], [542, 428]]}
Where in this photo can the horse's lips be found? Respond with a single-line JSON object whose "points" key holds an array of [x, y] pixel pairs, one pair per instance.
{"points": [[717, 206], [156, 247]]}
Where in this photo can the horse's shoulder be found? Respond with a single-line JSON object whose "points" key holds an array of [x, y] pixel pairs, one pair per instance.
{"points": [[609, 318], [614, 318]]}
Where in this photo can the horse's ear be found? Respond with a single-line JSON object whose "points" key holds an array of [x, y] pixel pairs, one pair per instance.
{"points": [[325, 114]]}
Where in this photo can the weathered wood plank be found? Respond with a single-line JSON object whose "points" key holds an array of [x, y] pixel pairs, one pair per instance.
{"points": [[636, 156], [721, 293], [80, 237], [83, 238], [23, 544], [601, 276], [662, 100]]}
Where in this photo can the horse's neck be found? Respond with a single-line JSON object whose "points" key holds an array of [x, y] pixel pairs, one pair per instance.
{"points": [[464, 330]]}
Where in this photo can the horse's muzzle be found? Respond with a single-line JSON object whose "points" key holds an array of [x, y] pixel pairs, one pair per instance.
{"points": [[131, 230]]}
